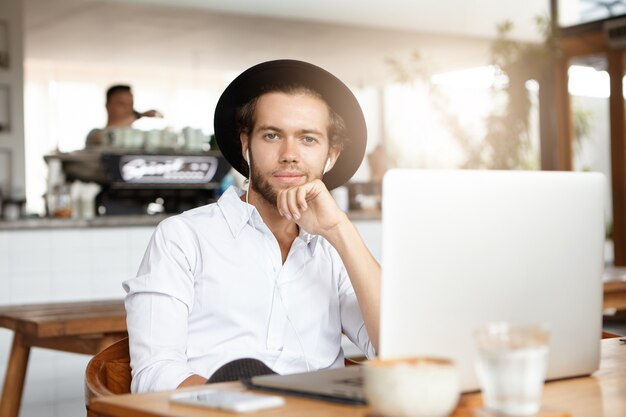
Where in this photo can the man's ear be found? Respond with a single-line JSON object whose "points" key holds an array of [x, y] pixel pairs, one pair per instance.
{"points": [[333, 155], [244, 146]]}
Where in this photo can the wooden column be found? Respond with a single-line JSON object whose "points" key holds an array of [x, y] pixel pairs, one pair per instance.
{"points": [[555, 118], [594, 43], [618, 154], [563, 107]]}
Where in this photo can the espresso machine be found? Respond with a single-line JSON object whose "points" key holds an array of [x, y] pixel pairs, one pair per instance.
{"points": [[134, 182]]}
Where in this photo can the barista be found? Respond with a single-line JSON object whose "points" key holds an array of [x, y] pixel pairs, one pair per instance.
{"points": [[120, 114]]}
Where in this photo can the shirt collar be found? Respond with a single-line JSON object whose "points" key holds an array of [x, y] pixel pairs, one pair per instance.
{"points": [[238, 213]]}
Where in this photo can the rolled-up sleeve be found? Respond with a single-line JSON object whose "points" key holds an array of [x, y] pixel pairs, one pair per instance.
{"points": [[352, 322], [158, 302]]}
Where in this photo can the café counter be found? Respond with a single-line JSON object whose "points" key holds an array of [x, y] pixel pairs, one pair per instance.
{"points": [[70, 223], [126, 221]]}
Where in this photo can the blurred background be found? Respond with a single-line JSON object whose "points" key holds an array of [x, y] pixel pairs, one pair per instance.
{"points": [[469, 84], [429, 76], [179, 55]]}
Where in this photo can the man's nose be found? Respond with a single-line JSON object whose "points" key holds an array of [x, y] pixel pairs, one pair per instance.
{"points": [[288, 151]]}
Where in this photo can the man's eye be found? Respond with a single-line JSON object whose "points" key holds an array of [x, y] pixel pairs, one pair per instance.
{"points": [[310, 139], [271, 135]]}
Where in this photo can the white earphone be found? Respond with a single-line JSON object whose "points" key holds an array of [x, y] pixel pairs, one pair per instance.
{"points": [[326, 166], [248, 156]]}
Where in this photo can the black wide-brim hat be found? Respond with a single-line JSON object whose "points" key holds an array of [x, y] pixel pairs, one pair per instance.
{"points": [[263, 77]]}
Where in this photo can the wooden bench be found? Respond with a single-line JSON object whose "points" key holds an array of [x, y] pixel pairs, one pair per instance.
{"points": [[78, 327]]}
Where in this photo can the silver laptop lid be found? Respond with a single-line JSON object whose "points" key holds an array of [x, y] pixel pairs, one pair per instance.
{"points": [[463, 248]]}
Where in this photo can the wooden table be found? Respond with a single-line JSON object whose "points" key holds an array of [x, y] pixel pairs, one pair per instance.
{"points": [[601, 395], [79, 327]]}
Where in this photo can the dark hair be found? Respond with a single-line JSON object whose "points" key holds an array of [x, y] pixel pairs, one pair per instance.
{"points": [[245, 114], [117, 89]]}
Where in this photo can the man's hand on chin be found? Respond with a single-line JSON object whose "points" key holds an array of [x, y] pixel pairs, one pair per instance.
{"points": [[312, 207]]}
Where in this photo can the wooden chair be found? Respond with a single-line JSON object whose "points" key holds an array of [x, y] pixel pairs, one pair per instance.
{"points": [[108, 373]]}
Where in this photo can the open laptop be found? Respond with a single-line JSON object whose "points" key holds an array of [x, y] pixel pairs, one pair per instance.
{"points": [[463, 248]]}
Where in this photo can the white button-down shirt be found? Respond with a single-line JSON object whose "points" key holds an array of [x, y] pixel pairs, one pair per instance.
{"points": [[212, 288]]}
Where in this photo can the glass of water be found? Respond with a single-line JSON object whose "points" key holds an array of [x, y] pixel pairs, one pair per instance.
{"points": [[511, 367]]}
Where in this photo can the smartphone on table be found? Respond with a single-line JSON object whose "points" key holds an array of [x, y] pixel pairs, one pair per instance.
{"points": [[238, 402]]}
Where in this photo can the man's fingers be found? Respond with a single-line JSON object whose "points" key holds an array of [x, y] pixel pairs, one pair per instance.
{"points": [[301, 194], [292, 202], [281, 203]]}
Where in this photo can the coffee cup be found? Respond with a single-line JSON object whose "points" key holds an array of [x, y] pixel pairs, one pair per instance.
{"points": [[411, 387]]}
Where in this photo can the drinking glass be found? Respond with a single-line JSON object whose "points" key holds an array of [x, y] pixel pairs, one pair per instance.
{"points": [[511, 367]]}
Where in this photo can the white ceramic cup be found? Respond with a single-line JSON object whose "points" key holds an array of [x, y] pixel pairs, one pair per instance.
{"points": [[411, 387]]}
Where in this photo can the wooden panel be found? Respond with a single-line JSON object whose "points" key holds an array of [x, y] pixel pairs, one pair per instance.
{"points": [[563, 109], [581, 45], [615, 295], [618, 155], [549, 123]]}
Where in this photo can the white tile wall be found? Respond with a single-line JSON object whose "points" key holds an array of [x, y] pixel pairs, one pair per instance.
{"points": [[71, 285], [68, 265], [4, 269], [107, 283], [30, 286], [6, 337], [71, 384], [70, 408], [40, 410], [62, 265], [29, 252], [39, 392]]}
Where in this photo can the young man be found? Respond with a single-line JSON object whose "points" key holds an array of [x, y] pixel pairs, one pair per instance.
{"points": [[273, 275], [120, 113]]}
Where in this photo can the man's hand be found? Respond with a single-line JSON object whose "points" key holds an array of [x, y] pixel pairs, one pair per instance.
{"points": [[149, 113], [192, 380], [312, 207]]}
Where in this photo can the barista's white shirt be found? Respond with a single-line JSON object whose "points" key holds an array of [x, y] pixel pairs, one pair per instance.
{"points": [[212, 288]]}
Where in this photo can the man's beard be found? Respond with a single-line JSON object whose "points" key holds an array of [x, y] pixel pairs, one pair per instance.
{"points": [[260, 184], [263, 187]]}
